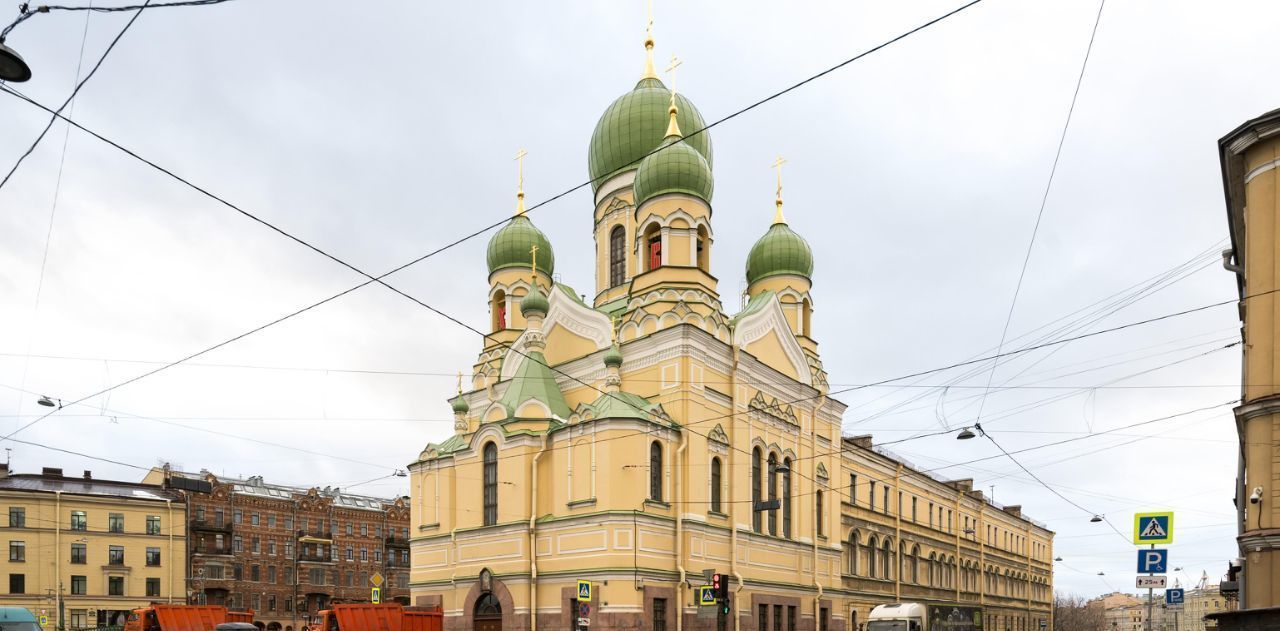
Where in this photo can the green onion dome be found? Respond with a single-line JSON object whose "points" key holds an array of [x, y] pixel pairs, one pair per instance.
{"points": [[613, 357], [779, 251], [675, 168], [459, 404], [511, 246], [534, 301], [634, 125]]}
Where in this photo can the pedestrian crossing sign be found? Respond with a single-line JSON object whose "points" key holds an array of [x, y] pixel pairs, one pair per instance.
{"points": [[584, 591], [1151, 528]]}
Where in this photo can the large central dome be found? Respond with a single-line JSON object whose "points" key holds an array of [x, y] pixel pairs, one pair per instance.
{"points": [[635, 125]]}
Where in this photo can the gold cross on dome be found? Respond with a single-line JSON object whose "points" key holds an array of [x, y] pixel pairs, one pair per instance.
{"points": [[671, 70], [533, 251], [459, 382], [777, 165], [520, 166]]}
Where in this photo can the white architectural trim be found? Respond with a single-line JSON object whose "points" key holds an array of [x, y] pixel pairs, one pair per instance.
{"points": [[1260, 169], [572, 316], [771, 318]]}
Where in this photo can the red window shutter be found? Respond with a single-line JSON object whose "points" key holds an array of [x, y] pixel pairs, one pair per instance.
{"points": [[502, 316], [655, 254]]}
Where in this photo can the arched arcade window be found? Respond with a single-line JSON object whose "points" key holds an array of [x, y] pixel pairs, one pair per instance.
{"points": [[655, 471], [617, 256], [490, 484]]}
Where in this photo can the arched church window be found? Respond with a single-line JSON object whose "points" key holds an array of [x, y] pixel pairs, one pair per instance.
{"points": [[490, 484], [755, 489], [715, 484], [617, 256], [499, 310], [653, 248], [703, 259], [786, 498], [773, 493], [806, 316], [655, 471]]}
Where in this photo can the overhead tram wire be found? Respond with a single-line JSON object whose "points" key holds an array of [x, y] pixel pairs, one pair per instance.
{"points": [[1092, 313], [1044, 200], [56, 114], [379, 278]]}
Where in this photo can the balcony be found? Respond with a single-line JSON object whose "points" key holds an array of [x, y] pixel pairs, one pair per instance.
{"points": [[314, 557], [206, 525], [397, 542], [315, 536], [211, 550]]}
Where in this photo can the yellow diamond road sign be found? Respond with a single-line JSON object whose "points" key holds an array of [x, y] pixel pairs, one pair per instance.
{"points": [[1152, 528], [376, 579]]}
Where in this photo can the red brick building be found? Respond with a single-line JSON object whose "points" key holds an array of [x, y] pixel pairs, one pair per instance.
{"points": [[288, 552]]}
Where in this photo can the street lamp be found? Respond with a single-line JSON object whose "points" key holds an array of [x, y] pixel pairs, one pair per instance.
{"points": [[1058, 559], [966, 434], [1095, 519], [13, 69]]}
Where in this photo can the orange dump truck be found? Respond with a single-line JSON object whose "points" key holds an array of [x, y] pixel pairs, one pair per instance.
{"points": [[388, 617], [183, 618]]}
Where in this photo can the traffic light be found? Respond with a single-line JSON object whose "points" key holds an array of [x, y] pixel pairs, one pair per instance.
{"points": [[720, 583]]}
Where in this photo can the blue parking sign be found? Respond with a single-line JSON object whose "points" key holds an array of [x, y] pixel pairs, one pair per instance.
{"points": [[1153, 561], [1173, 596]]}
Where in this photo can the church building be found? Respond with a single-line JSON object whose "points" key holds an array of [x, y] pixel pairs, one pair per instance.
{"points": [[609, 454]]}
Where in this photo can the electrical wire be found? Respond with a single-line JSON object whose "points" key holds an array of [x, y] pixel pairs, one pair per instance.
{"points": [[379, 279], [56, 114], [1044, 200], [25, 11]]}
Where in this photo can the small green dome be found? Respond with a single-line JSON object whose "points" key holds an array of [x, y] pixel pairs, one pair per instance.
{"points": [[534, 301], [635, 124], [613, 357], [779, 251], [510, 247], [675, 168], [459, 404]]}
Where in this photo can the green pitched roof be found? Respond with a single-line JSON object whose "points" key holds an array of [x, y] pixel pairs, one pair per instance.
{"points": [[510, 247], [756, 303], [675, 168], [534, 380], [623, 405], [451, 444], [636, 124], [779, 251]]}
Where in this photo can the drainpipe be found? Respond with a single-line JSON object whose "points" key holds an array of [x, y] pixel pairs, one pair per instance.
{"points": [[897, 534], [684, 443], [57, 552], [533, 544], [169, 517], [733, 521], [817, 517]]}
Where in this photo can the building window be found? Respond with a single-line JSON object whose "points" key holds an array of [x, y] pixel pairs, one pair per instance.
{"points": [[617, 256], [271, 521], [823, 615], [853, 489], [17, 583], [772, 464], [755, 489], [791, 618], [499, 310], [763, 623], [886, 499], [219, 517], [79, 521], [351, 579], [79, 553], [786, 498], [817, 500], [271, 547], [914, 505], [79, 585], [490, 484], [256, 545], [302, 524], [871, 495], [153, 556], [153, 587], [115, 586], [17, 519], [237, 544], [115, 522], [364, 530], [254, 519], [350, 529], [364, 554], [715, 484], [377, 556], [288, 550], [213, 572], [659, 614], [872, 545], [351, 553], [17, 551], [288, 604], [115, 555], [777, 618], [655, 252], [655, 471], [288, 575], [271, 603], [255, 573], [153, 524], [377, 532], [237, 517]]}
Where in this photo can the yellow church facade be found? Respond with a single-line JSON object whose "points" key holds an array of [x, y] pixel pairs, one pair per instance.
{"points": [[607, 455]]}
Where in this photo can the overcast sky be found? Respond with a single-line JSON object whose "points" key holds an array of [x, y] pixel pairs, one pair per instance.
{"points": [[381, 131]]}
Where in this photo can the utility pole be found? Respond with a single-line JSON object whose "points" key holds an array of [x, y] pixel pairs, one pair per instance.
{"points": [[1150, 601]]}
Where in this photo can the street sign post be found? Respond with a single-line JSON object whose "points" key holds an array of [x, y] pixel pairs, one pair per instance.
{"points": [[1153, 561], [584, 592], [1152, 582], [584, 610], [1152, 528], [1174, 596]]}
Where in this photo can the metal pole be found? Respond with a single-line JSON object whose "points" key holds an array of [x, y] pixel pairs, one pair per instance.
{"points": [[1150, 600]]}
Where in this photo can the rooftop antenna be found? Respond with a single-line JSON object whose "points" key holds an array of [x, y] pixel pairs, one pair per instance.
{"points": [[7, 453]]}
